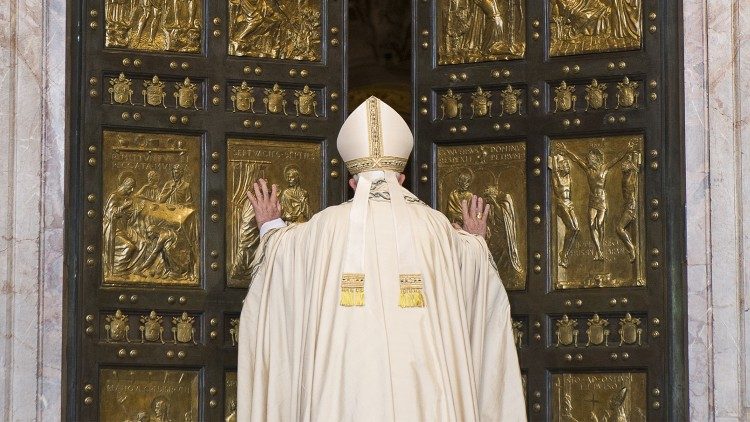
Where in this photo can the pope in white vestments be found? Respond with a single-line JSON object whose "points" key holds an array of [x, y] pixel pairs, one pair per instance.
{"points": [[377, 309]]}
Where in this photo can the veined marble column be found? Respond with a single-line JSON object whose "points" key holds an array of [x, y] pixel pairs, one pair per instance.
{"points": [[32, 128], [717, 110]]}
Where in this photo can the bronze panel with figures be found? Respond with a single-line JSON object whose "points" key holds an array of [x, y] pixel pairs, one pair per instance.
{"points": [[594, 26], [471, 31], [611, 396], [275, 29], [294, 166], [134, 395], [151, 213], [495, 172], [154, 25], [597, 212], [230, 396]]}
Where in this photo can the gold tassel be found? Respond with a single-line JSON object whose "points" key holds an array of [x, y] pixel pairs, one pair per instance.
{"points": [[412, 291], [352, 289]]}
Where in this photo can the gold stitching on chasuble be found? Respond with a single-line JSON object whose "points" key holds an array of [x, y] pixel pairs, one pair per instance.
{"points": [[374, 130], [352, 289], [412, 291]]}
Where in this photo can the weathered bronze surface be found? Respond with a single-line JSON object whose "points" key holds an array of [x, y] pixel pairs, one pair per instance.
{"points": [[597, 212], [148, 395], [472, 31], [230, 397], [612, 396], [150, 217], [593, 26], [154, 25], [294, 166], [275, 29], [496, 172]]}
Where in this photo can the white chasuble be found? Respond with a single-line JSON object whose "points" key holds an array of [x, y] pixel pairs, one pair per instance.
{"points": [[305, 357]]}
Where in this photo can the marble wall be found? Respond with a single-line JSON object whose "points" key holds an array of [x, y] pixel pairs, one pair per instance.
{"points": [[32, 151], [32, 147], [717, 85]]}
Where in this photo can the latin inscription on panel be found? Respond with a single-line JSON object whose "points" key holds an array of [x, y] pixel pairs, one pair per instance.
{"points": [[496, 172], [280, 29], [472, 31], [599, 397], [594, 26], [148, 395], [150, 218], [230, 396], [294, 166], [154, 25], [597, 212]]}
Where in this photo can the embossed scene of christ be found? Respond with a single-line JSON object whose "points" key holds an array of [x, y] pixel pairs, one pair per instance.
{"points": [[148, 395], [275, 29], [497, 173], [154, 25], [295, 167], [471, 31], [613, 396], [596, 213], [150, 217], [594, 26]]}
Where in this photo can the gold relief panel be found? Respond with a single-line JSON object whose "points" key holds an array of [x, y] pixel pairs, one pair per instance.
{"points": [[148, 395], [230, 396], [618, 396], [496, 172], [154, 25], [471, 31], [280, 29], [597, 219], [594, 26], [294, 166], [150, 218]]}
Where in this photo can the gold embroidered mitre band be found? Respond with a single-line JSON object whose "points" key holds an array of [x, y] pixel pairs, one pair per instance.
{"points": [[385, 150]]}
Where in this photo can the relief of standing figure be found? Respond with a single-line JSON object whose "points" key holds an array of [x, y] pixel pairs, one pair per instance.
{"points": [[561, 184], [630, 171], [461, 193], [294, 199]]}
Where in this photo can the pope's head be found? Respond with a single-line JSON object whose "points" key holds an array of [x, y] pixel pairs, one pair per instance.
{"points": [[374, 138]]}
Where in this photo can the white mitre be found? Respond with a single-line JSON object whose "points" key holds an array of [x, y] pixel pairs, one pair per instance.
{"points": [[375, 142], [375, 137]]}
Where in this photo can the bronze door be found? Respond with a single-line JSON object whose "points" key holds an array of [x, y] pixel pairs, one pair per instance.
{"points": [[177, 105], [564, 116]]}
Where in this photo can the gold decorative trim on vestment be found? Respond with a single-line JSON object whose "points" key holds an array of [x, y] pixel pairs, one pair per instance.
{"points": [[360, 165], [352, 289], [374, 129], [412, 291]]}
